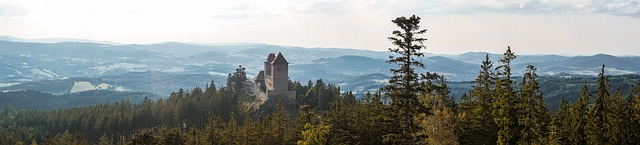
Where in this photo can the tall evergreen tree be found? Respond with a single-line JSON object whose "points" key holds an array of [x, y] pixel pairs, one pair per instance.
{"points": [[579, 118], [475, 123], [503, 105], [236, 87], [629, 125], [636, 104], [532, 116], [553, 137], [440, 126], [602, 127], [404, 86], [562, 123]]}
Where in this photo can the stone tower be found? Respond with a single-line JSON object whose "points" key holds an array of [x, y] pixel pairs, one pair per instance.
{"points": [[273, 81]]}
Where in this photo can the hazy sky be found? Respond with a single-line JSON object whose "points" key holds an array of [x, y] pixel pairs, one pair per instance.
{"points": [[574, 27]]}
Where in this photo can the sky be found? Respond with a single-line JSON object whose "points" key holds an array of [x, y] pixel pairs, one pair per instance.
{"points": [[567, 27]]}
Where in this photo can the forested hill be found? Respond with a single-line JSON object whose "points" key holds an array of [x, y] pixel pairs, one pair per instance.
{"points": [[34, 100], [561, 86], [56, 68], [29, 61]]}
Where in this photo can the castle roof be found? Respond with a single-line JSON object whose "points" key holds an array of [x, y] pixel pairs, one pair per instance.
{"points": [[279, 59], [270, 57], [260, 76]]}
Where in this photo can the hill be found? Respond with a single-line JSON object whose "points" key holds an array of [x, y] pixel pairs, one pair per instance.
{"points": [[59, 67], [38, 100]]}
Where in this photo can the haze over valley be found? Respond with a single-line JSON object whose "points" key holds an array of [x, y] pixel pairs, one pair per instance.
{"points": [[60, 67]]}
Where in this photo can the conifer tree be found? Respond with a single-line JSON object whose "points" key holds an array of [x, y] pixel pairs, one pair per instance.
{"points": [[636, 104], [579, 118], [531, 114], [314, 134], [503, 109], [629, 125], [474, 121], [634, 107], [214, 130], [554, 137], [236, 79], [235, 84], [104, 140], [404, 86], [597, 128], [378, 121], [561, 123], [614, 119], [440, 126], [280, 128]]}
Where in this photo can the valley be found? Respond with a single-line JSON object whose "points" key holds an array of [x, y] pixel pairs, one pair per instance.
{"points": [[72, 67]]}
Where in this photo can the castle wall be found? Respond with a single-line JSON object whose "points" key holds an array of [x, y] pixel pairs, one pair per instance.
{"points": [[280, 77], [290, 95], [267, 68], [268, 81]]}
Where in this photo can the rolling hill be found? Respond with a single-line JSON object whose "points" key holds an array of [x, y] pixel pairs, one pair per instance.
{"points": [[57, 67]]}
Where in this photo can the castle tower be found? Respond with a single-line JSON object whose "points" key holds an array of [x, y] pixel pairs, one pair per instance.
{"points": [[273, 81], [267, 63], [280, 73]]}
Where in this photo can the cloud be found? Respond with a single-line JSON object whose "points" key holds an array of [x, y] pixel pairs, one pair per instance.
{"points": [[325, 7], [612, 7], [231, 16], [10, 10], [241, 7]]}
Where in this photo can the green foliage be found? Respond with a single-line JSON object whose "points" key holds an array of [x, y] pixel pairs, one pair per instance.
{"points": [[33, 100], [439, 127], [314, 134], [532, 116], [601, 127], [560, 127], [474, 120], [554, 136], [579, 118], [503, 110], [404, 86]]}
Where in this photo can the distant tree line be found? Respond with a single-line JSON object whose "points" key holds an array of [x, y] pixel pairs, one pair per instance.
{"points": [[414, 108]]}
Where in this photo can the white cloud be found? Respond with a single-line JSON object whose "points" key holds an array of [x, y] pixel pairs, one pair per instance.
{"points": [[10, 10], [325, 7], [455, 26], [613, 7]]}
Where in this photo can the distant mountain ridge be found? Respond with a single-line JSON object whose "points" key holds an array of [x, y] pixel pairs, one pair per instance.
{"points": [[53, 40], [24, 62]]}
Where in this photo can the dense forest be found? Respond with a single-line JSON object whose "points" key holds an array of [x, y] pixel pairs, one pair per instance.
{"points": [[413, 108]]}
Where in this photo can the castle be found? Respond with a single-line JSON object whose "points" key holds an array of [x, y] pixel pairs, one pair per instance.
{"points": [[273, 81]]}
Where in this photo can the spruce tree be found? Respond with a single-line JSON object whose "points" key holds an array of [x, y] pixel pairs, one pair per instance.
{"points": [[474, 121], [531, 114], [440, 126], [503, 109], [554, 136], [562, 123], [630, 126], [598, 127], [404, 86], [636, 104], [579, 118], [236, 85], [615, 104]]}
